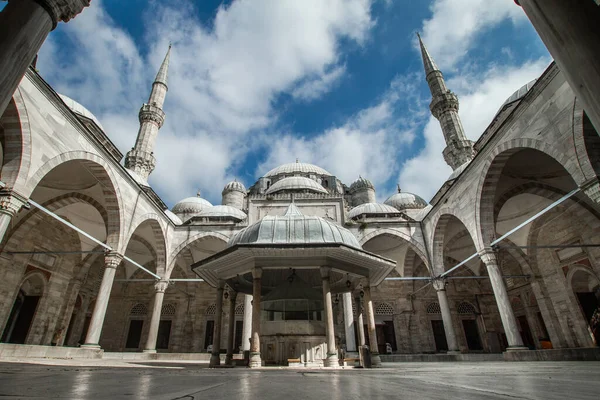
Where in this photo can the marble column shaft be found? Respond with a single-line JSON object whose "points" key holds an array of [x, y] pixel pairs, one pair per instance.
{"points": [[68, 311], [24, 26], [349, 322], [215, 358], [509, 322], [331, 359], [571, 32], [111, 262], [375, 360], [255, 357], [440, 287], [79, 321], [159, 294], [361, 323], [231, 327], [247, 325]]}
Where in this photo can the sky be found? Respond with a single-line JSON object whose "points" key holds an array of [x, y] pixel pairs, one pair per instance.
{"points": [[258, 83]]}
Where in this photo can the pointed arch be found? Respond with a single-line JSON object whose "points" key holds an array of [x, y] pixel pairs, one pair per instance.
{"points": [[417, 247], [156, 224], [196, 238], [16, 143]]}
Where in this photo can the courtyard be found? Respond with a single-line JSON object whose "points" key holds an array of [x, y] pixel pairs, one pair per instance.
{"points": [[153, 380]]}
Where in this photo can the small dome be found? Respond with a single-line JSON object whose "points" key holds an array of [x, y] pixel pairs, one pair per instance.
{"points": [[191, 205], [234, 186], [405, 201], [294, 228], [517, 95], [361, 184], [222, 212], [79, 109], [296, 183], [458, 171], [174, 218], [295, 168], [372, 209]]}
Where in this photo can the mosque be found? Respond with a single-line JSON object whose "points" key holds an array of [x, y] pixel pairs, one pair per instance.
{"points": [[301, 268]]}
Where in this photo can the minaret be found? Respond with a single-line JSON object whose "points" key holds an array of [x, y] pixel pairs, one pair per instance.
{"points": [[444, 107], [140, 158]]}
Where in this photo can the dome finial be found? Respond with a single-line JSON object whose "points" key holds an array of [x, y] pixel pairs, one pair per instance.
{"points": [[399, 190], [198, 193], [297, 160]]}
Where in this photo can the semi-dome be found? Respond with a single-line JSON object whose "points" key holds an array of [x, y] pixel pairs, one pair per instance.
{"points": [[295, 168], [79, 109], [296, 183], [191, 205], [222, 212], [373, 209], [361, 184], [234, 186], [405, 201], [294, 228]]}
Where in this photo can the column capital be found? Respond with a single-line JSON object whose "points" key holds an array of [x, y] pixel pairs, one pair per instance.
{"points": [[161, 286], [439, 284], [112, 259], [325, 271], [11, 202], [257, 273], [63, 10], [221, 285], [232, 296], [488, 255]]}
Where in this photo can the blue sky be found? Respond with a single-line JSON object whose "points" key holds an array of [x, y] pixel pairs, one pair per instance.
{"points": [[257, 83]]}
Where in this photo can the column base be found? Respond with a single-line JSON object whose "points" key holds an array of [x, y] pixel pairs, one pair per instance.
{"points": [[375, 360], [150, 351], [90, 346], [215, 360], [517, 348], [453, 352], [228, 359], [255, 360], [332, 360]]}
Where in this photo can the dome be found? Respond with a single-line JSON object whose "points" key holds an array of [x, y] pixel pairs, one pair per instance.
{"points": [[235, 186], [517, 95], [361, 184], [191, 205], [79, 109], [222, 212], [297, 167], [174, 218], [372, 208], [294, 228], [458, 171], [405, 201], [296, 183]]}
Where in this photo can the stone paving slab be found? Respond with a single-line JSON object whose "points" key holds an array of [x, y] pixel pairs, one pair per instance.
{"points": [[489, 380]]}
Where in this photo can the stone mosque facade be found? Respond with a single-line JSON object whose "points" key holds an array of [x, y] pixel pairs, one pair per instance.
{"points": [[300, 267]]}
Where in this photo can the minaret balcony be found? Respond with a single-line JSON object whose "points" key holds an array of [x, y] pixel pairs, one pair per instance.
{"points": [[151, 113], [443, 103]]}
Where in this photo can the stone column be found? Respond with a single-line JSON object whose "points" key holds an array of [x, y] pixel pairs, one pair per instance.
{"points": [[331, 359], [10, 204], [375, 359], [78, 324], [349, 322], [247, 325], [231, 333], [361, 323], [67, 314], [111, 262], [571, 32], [509, 322], [440, 286], [24, 25], [157, 302], [215, 358], [255, 359]]}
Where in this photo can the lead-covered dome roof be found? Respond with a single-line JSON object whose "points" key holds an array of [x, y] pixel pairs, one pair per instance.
{"points": [[361, 184], [191, 205], [221, 211], [296, 183], [372, 209], [295, 168], [405, 201], [79, 109], [234, 186], [294, 228]]}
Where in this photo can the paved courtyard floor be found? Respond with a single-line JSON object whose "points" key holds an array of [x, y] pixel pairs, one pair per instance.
{"points": [[169, 380]]}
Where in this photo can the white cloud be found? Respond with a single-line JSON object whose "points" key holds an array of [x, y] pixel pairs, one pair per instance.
{"points": [[455, 24], [223, 77], [480, 96]]}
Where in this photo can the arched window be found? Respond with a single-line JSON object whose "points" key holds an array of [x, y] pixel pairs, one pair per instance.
{"points": [[168, 310], [465, 308], [239, 309], [384, 308], [434, 308], [139, 309], [211, 310]]}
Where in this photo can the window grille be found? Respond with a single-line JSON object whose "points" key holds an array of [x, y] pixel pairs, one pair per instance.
{"points": [[212, 309], [139, 309], [466, 308], [239, 309], [434, 308], [168, 310], [384, 309]]}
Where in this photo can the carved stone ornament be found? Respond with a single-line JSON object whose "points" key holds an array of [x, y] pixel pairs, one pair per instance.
{"points": [[63, 10]]}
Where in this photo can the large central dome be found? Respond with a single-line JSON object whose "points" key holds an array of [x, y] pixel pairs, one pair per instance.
{"points": [[294, 227], [297, 168]]}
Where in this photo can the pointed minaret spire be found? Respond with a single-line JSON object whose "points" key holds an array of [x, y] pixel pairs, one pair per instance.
{"points": [[140, 159], [444, 107]]}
